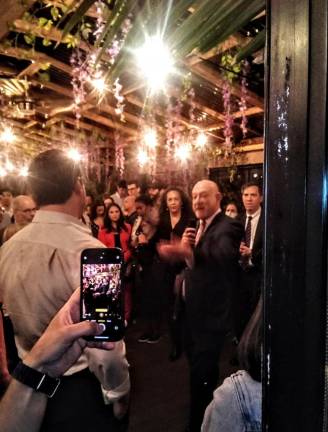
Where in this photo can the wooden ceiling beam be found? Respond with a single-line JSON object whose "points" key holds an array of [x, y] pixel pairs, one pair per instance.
{"points": [[34, 56], [230, 43], [10, 10], [54, 34], [211, 75]]}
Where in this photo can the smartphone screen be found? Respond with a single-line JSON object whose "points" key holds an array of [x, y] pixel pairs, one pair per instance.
{"points": [[102, 291]]}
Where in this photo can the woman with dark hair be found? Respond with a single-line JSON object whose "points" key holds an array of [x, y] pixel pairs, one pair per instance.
{"points": [[97, 217], [117, 233], [236, 406], [231, 209], [174, 214]]}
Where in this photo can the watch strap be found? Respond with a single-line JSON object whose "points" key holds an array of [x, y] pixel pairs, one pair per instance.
{"points": [[37, 380]]}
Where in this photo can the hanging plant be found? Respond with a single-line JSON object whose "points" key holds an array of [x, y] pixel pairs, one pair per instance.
{"points": [[243, 99]]}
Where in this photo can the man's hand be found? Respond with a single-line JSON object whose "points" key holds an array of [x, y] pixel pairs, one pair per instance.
{"points": [[244, 250], [178, 250], [62, 344]]}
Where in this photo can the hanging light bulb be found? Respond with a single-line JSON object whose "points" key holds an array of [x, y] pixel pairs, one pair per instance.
{"points": [[98, 82], [74, 154], [155, 61], [9, 166], [7, 135], [23, 171], [201, 140], [142, 157], [183, 153], [150, 138]]}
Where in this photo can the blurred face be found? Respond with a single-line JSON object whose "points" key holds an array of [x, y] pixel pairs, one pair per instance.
{"points": [[231, 210], [141, 208], [25, 211], [100, 210], [133, 189], [114, 214], [129, 204], [108, 201], [122, 192], [205, 199], [6, 198], [153, 192], [252, 199], [173, 202]]}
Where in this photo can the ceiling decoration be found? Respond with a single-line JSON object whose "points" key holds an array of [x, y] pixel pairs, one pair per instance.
{"points": [[70, 76]]}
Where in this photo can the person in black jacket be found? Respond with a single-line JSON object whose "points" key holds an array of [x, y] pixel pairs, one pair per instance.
{"points": [[250, 255], [212, 255]]}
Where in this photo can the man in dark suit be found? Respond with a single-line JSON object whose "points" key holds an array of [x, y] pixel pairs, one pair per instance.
{"points": [[250, 254], [211, 253]]}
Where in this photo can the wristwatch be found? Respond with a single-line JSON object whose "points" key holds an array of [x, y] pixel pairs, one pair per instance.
{"points": [[37, 380]]}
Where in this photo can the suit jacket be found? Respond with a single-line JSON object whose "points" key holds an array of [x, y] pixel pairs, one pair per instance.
{"points": [[258, 242], [214, 276]]}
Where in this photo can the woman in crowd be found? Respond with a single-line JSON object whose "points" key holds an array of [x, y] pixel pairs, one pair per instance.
{"points": [[174, 215], [117, 233], [97, 217], [236, 406], [231, 209]]}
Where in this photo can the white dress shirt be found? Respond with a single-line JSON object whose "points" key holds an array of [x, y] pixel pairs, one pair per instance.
{"points": [[40, 269]]}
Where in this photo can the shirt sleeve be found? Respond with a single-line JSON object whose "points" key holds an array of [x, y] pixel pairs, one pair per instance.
{"points": [[223, 414]]}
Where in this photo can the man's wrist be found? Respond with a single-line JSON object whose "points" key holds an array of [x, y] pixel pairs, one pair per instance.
{"points": [[37, 380]]}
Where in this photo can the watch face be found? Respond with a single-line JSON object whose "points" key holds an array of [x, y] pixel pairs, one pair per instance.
{"points": [[35, 379]]}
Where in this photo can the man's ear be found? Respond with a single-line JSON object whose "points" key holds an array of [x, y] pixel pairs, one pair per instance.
{"points": [[78, 186]]}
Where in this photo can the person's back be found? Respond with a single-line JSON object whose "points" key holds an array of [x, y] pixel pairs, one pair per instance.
{"points": [[236, 406], [40, 268]]}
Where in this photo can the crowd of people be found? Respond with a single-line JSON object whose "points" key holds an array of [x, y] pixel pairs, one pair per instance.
{"points": [[192, 267]]}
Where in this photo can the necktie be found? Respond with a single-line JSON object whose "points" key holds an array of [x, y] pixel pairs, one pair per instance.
{"points": [[200, 232], [248, 231]]}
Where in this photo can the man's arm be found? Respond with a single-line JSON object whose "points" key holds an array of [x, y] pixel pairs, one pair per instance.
{"points": [[22, 408]]}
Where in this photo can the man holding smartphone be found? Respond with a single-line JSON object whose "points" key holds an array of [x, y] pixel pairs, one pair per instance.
{"points": [[46, 257], [211, 253]]}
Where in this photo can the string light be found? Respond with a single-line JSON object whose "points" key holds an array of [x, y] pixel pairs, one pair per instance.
{"points": [[7, 135], [201, 140], [74, 154], [23, 171], [155, 61], [99, 84], [9, 166], [142, 157], [3, 172], [150, 138], [183, 153]]}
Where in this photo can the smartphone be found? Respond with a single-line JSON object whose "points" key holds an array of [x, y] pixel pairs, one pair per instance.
{"points": [[192, 223], [102, 297]]}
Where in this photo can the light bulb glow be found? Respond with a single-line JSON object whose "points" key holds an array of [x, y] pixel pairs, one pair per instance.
{"points": [[183, 153], [142, 157], [3, 172], [150, 139], [9, 166], [7, 135], [155, 62], [23, 171], [201, 140], [74, 154], [99, 84]]}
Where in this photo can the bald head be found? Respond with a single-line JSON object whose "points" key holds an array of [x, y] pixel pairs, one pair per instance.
{"points": [[129, 205], [24, 209], [206, 199]]}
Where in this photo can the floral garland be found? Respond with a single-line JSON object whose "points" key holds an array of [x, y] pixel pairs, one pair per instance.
{"points": [[243, 99]]}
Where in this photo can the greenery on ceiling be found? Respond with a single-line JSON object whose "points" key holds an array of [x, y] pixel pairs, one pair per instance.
{"points": [[188, 27]]}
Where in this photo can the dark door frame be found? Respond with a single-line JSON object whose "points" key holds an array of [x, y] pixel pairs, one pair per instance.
{"points": [[295, 264]]}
